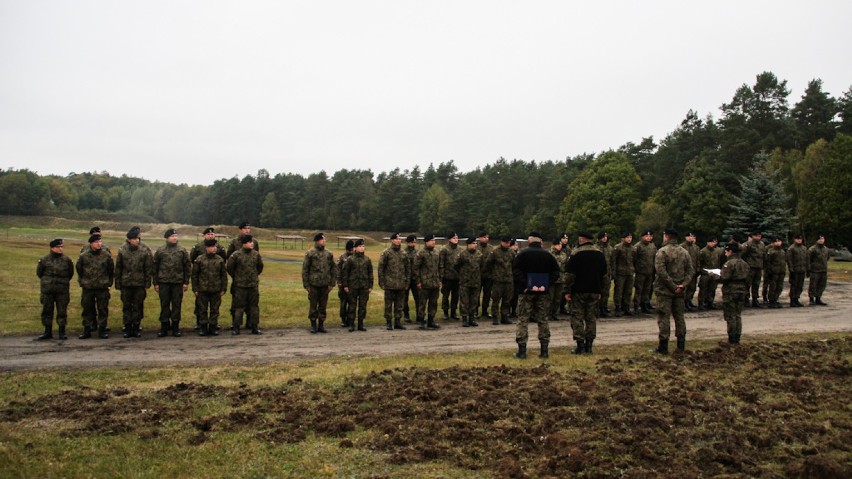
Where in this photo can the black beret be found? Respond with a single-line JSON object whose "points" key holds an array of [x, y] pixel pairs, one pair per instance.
{"points": [[755, 233], [95, 229], [564, 235], [671, 232], [471, 240], [535, 234], [713, 239], [169, 232], [411, 238], [209, 230], [394, 236], [648, 232], [626, 234], [689, 233], [133, 233], [557, 240], [585, 234], [798, 237], [482, 233], [733, 247], [244, 224], [603, 235], [505, 238], [512, 242], [358, 242], [739, 238], [820, 235], [349, 245], [210, 242], [94, 238], [452, 234], [318, 237], [56, 242], [246, 239], [428, 237]]}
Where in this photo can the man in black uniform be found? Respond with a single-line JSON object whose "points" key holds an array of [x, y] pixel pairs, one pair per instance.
{"points": [[536, 269]]}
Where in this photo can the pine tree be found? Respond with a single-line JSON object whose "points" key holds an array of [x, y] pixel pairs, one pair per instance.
{"points": [[761, 204]]}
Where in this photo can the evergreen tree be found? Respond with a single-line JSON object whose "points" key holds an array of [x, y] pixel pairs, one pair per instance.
{"points": [[761, 204], [814, 115], [270, 213]]}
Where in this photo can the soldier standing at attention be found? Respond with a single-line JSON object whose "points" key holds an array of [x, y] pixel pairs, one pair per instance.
{"points": [[450, 281], [95, 273], [469, 266], [646, 250], [557, 289], [517, 287], [566, 250], [607, 250], [753, 252], [499, 262], [318, 278], [356, 279], [394, 278], [411, 253], [427, 279], [95, 231], [776, 268], [797, 264], [586, 273], [209, 283], [485, 299], [170, 275], [55, 271], [674, 270], [734, 279], [624, 264], [694, 254], [233, 247], [536, 269], [133, 268], [708, 258], [200, 249], [818, 270], [245, 266], [341, 294]]}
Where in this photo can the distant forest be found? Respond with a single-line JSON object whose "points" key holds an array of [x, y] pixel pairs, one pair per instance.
{"points": [[761, 165]]}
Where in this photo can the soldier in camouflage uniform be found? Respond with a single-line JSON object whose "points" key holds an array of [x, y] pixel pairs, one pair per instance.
{"points": [[624, 265], [236, 245], [318, 277], [55, 271], [95, 274], [535, 269], [356, 279], [674, 270], [341, 294], [245, 267], [517, 286], [818, 271], [566, 250], [450, 281], [95, 231], [643, 284], [200, 249], [427, 279], [775, 267], [586, 274], [484, 299], [797, 264], [209, 283], [734, 279], [708, 258], [754, 252], [607, 250], [557, 291], [411, 253], [499, 264], [469, 266], [133, 268], [394, 278], [171, 274], [694, 254]]}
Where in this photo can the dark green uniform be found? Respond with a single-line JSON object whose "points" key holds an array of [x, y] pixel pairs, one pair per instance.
{"points": [[624, 265], [534, 267], [585, 277], [427, 278], [499, 262], [776, 269], [133, 270], [646, 251], [55, 271], [95, 274], [818, 270], [469, 266], [734, 279], [394, 278], [245, 267], [484, 300], [341, 294], [200, 250], [171, 271], [608, 252], [673, 268], [318, 277], [410, 254], [357, 277], [708, 258], [797, 264], [694, 253], [209, 283], [557, 291], [450, 281], [753, 253]]}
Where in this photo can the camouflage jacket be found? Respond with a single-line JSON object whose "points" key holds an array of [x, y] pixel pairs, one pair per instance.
{"points": [[484, 251], [776, 260], [818, 259], [237, 245], [427, 268], [447, 259], [55, 272], [95, 270], [734, 275], [469, 264], [797, 258], [209, 274], [318, 268], [133, 267], [645, 253], [624, 259], [608, 253], [499, 261], [394, 269], [673, 266], [341, 261], [200, 250], [709, 258], [694, 254], [753, 252], [245, 267], [357, 272], [562, 261], [171, 265], [411, 254]]}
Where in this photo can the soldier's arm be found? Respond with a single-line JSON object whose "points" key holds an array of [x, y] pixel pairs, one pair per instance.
{"points": [[194, 277], [259, 264], [662, 274], [306, 267]]}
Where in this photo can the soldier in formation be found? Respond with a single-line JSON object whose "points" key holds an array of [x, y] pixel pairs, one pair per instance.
{"points": [[818, 271], [499, 266], [427, 274], [607, 250], [209, 284], [709, 258], [673, 268], [244, 267], [797, 264], [450, 280], [775, 267], [410, 254], [469, 266], [557, 291], [734, 277], [356, 277], [754, 252], [694, 254], [200, 249], [394, 279], [318, 277], [341, 291], [643, 282], [55, 271], [133, 268], [170, 274], [624, 266], [484, 300], [95, 274], [536, 269], [586, 273]]}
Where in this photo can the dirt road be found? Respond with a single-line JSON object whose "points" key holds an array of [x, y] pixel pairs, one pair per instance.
{"points": [[18, 352]]}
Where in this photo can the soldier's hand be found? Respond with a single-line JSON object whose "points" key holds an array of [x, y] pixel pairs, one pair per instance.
{"points": [[346, 290], [156, 288], [567, 296], [185, 287]]}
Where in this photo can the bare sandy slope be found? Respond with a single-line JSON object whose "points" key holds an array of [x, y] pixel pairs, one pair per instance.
{"points": [[18, 352]]}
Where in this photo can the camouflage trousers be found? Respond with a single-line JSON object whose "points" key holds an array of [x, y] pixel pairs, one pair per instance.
{"points": [[501, 298], [449, 295], [623, 291], [603, 302], [247, 302], [732, 306], [707, 289], [753, 281], [533, 308], [690, 289], [59, 303], [776, 285], [207, 305], [468, 300], [427, 304], [357, 305], [344, 304], [415, 294], [797, 285], [643, 286], [487, 285], [317, 302], [132, 302], [171, 298], [95, 303], [668, 307], [393, 304], [817, 285], [584, 315], [557, 292]]}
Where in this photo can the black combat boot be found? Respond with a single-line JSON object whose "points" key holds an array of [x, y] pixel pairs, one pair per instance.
{"points": [[618, 312], [313, 326], [505, 319], [737, 339], [137, 330], [626, 308], [472, 322], [663, 348], [102, 332], [48, 332], [446, 315], [465, 322], [176, 329], [212, 329], [361, 325], [581, 347], [256, 331], [389, 326], [690, 306], [756, 304], [320, 327], [421, 323], [453, 315], [589, 346], [732, 339], [407, 317], [236, 324], [164, 330], [87, 333], [643, 307], [62, 333], [603, 313], [128, 331], [522, 351], [431, 324], [204, 330], [397, 324], [544, 353], [650, 307], [818, 302], [351, 324], [495, 320], [681, 343]]}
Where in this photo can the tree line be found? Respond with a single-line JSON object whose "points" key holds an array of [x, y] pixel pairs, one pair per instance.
{"points": [[761, 165]]}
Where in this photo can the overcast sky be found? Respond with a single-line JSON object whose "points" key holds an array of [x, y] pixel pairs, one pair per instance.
{"points": [[194, 91]]}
